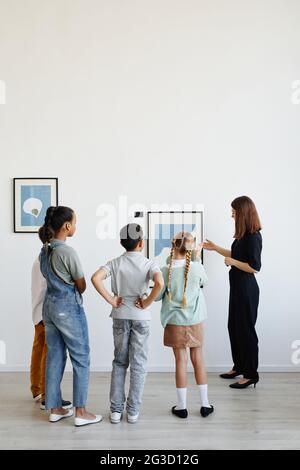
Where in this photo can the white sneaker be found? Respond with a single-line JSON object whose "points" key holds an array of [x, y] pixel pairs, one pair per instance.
{"points": [[53, 418], [115, 417], [84, 422], [132, 419]]}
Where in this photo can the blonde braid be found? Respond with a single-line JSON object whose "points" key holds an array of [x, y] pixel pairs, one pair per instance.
{"points": [[170, 270], [188, 257]]}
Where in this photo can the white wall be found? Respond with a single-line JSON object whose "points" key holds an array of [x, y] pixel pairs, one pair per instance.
{"points": [[164, 101]]}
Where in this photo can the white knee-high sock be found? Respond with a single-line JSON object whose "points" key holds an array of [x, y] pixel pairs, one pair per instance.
{"points": [[203, 396], [181, 398]]}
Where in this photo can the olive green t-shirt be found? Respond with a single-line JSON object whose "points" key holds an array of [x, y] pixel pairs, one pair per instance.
{"points": [[65, 262]]}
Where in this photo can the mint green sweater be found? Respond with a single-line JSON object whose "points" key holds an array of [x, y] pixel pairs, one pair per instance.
{"points": [[172, 313]]}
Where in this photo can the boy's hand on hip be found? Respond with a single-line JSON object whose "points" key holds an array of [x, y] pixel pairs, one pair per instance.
{"points": [[116, 301], [142, 303]]}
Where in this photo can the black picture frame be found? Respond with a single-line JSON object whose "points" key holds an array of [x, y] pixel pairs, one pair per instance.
{"points": [[174, 212], [54, 200]]}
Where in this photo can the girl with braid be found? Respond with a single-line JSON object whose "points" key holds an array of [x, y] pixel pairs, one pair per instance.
{"points": [[182, 313]]}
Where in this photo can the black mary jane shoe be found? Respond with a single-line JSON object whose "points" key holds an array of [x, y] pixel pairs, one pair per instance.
{"points": [[244, 385], [180, 413], [229, 376], [205, 411]]}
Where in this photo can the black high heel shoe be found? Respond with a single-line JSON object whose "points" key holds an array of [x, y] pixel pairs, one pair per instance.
{"points": [[180, 413], [244, 385], [229, 376]]}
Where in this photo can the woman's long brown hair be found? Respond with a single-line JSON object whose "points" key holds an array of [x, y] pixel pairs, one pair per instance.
{"points": [[246, 217]]}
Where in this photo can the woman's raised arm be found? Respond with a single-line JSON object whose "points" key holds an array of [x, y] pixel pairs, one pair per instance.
{"points": [[210, 246]]}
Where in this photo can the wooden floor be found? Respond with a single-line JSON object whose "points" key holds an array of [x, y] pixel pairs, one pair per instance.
{"points": [[267, 417]]}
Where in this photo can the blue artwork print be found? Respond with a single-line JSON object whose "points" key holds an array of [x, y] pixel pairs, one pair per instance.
{"points": [[35, 201], [165, 232]]}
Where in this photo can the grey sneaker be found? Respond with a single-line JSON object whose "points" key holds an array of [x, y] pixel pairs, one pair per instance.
{"points": [[132, 419]]}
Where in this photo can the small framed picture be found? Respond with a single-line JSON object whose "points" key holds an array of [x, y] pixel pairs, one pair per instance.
{"points": [[163, 226], [32, 197]]}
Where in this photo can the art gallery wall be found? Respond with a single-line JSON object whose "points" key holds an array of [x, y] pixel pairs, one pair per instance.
{"points": [[161, 102]]}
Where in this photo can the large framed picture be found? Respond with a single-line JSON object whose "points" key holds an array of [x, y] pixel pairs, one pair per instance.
{"points": [[163, 226], [32, 197]]}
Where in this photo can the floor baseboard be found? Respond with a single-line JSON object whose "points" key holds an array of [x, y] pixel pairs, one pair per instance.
{"points": [[213, 369]]}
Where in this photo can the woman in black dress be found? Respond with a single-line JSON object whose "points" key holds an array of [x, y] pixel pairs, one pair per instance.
{"points": [[245, 260]]}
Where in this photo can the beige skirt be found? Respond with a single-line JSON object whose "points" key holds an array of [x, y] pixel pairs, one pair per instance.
{"points": [[183, 336]]}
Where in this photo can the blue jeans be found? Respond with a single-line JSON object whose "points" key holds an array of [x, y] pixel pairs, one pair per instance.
{"points": [[66, 329], [131, 348]]}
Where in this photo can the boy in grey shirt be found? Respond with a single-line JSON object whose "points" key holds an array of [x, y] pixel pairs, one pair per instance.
{"points": [[130, 276]]}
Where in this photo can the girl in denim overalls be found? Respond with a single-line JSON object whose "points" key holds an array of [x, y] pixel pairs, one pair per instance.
{"points": [[65, 322]]}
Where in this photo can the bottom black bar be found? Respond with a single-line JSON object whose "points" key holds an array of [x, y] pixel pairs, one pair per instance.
{"points": [[138, 458]]}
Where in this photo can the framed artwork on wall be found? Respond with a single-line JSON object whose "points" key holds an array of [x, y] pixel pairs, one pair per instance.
{"points": [[31, 198], [163, 226]]}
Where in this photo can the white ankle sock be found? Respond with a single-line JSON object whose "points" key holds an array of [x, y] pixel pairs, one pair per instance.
{"points": [[203, 396], [181, 398]]}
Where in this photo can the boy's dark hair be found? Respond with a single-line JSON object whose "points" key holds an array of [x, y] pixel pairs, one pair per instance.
{"points": [[130, 236], [54, 220]]}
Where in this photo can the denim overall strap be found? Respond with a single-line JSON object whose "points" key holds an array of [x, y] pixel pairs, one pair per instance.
{"points": [[56, 287]]}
